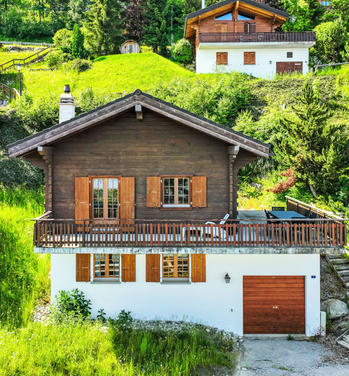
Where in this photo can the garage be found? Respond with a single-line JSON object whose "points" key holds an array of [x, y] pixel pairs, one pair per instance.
{"points": [[274, 304], [289, 67]]}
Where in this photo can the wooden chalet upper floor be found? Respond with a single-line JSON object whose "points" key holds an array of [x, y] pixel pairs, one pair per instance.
{"points": [[235, 21], [140, 172]]}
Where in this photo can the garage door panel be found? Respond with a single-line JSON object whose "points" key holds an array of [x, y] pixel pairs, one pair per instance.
{"points": [[274, 304]]}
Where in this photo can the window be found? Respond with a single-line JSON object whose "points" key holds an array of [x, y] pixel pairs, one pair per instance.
{"points": [[175, 266], [222, 58], [107, 266], [290, 55], [105, 198], [176, 192], [325, 3], [245, 17], [249, 58], [225, 17]]}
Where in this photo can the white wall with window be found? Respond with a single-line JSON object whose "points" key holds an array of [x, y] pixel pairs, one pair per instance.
{"points": [[266, 57], [175, 297]]}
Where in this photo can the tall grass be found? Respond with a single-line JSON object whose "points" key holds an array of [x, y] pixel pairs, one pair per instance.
{"points": [[88, 349], [24, 276]]}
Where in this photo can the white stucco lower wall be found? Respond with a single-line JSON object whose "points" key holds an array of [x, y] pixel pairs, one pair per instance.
{"points": [[266, 58], [214, 303]]}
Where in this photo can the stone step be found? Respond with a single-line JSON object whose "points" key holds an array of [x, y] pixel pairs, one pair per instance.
{"points": [[343, 273], [341, 267], [343, 343], [340, 261]]}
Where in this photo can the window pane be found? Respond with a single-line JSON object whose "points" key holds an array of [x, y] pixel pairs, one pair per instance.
{"points": [[99, 266], [183, 266], [169, 193], [114, 266], [183, 191], [112, 198], [98, 198], [168, 266]]}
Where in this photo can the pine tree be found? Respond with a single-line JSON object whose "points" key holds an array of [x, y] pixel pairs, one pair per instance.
{"points": [[104, 26], [78, 50], [134, 19], [315, 146], [155, 27]]}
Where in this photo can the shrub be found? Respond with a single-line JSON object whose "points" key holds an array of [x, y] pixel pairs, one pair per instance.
{"points": [[182, 51], [63, 40], [81, 65], [124, 321], [55, 59], [78, 50], [71, 304]]}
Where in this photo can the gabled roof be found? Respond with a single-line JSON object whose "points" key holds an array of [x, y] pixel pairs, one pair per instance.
{"points": [[89, 119], [255, 4], [250, 6]]}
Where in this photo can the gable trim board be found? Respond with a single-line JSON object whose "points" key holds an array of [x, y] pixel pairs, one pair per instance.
{"points": [[78, 124]]}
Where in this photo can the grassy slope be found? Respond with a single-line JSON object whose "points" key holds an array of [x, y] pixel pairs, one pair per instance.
{"points": [[110, 75]]}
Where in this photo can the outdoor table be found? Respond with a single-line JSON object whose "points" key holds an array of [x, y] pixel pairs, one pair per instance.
{"points": [[285, 215]]}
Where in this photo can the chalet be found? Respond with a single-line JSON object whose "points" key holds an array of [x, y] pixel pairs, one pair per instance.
{"points": [[244, 36], [141, 214]]}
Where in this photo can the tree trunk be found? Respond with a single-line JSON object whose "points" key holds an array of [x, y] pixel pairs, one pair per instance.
{"points": [[312, 190]]}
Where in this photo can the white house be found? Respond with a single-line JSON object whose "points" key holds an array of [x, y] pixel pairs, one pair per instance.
{"points": [[244, 36], [141, 215]]}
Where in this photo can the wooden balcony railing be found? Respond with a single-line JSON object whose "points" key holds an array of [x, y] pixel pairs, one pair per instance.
{"points": [[305, 36], [270, 233]]}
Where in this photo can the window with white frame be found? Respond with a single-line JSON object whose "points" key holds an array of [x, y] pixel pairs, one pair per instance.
{"points": [[175, 267], [106, 266], [176, 191]]}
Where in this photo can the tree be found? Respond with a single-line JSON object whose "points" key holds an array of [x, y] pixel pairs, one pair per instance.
{"points": [[155, 27], [62, 40], [331, 39], [304, 15], [104, 27], [338, 9], [314, 147], [76, 12], [78, 50], [134, 19]]}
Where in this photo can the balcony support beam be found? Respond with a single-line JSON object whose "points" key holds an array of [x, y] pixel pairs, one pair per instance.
{"points": [[46, 153], [232, 154]]}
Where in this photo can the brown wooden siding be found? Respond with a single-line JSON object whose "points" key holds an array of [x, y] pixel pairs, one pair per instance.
{"points": [[153, 147]]}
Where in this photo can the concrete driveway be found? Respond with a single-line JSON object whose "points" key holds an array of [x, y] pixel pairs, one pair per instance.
{"points": [[279, 357]]}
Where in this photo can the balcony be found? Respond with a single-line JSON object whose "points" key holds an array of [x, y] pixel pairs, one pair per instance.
{"points": [[309, 232], [279, 37]]}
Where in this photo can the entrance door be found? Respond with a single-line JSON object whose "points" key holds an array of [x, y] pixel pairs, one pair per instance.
{"points": [[289, 67], [274, 304]]}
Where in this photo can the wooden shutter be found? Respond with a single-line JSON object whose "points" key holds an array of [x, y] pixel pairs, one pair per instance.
{"points": [[128, 268], [153, 268], [127, 199], [249, 58], [198, 192], [83, 268], [82, 198], [222, 58], [153, 192], [198, 268]]}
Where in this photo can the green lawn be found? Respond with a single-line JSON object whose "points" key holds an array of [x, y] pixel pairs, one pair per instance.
{"points": [[6, 56], [110, 75]]}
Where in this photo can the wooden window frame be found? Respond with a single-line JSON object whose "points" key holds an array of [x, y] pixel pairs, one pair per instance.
{"points": [[175, 206], [249, 52], [107, 276], [175, 277], [217, 59], [105, 196]]}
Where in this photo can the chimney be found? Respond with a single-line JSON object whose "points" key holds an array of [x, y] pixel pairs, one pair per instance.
{"points": [[203, 4], [66, 105]]}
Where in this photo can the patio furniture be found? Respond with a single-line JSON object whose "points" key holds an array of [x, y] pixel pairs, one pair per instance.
{"points": [[278, 208], [285, 215], [206, 231]]}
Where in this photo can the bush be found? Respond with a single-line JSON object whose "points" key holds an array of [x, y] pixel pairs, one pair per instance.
{"points": [[71, 304], [81, 65], [55, 59], [124, 321], [182, 51], [63, 40]]}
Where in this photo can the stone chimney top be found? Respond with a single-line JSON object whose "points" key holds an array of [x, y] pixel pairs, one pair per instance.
{"points": [[66, 105]]}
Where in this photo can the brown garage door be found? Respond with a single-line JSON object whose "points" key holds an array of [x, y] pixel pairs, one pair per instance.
{"points": [[274, 305], [289, 67]]}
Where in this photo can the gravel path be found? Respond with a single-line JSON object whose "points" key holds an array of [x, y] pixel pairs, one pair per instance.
{"points": [[279, 357]]}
